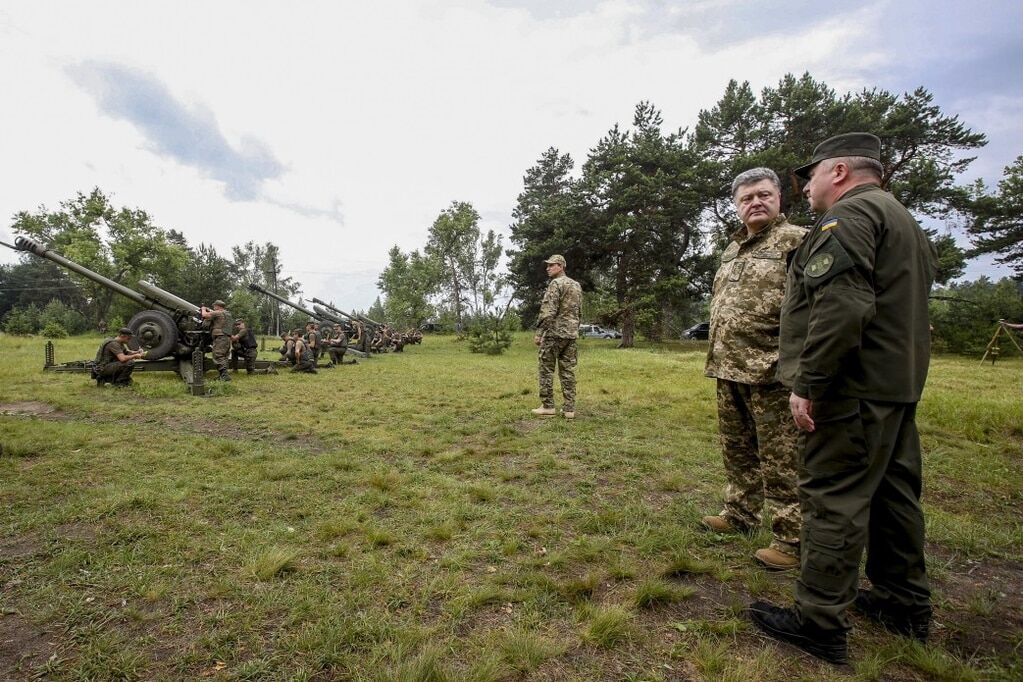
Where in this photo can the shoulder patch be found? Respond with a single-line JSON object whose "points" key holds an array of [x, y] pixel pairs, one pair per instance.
{"points": [[731, 252], [819, 265], [831, 224]]}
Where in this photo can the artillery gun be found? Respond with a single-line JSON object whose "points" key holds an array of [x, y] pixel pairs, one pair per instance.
{"points": [[354, 317], [316, 314], [169, 330]]}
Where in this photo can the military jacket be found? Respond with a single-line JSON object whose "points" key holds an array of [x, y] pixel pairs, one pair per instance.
{"points": [[108, 352], [854, 321], [746, 306], [220, 322], [561, 309]]}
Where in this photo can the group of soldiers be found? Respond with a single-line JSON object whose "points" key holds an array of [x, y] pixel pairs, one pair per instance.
{"points": [[302, 350], [819, 343]]}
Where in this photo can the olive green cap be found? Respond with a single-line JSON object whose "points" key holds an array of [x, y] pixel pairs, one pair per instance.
{"points": [[556, 258], [846, 144], [220, 303]]}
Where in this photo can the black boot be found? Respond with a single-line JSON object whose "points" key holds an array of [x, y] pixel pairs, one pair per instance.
{"points": [[786, 625], [224, 376], [915, 623]]}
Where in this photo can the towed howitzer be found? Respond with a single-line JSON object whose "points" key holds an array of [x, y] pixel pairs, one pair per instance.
{"points": [[170, 328], [321, 315]]}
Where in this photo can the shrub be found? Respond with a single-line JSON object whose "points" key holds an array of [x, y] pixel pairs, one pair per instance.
{"points": [[22, 321], [54, 330]]}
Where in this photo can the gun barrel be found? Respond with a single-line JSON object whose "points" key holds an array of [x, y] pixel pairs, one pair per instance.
{"points": [[332, 308], [281, 299], [167, 299], [32, 246]]}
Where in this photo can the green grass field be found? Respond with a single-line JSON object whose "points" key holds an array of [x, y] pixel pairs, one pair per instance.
{"points": [[407, 519]]}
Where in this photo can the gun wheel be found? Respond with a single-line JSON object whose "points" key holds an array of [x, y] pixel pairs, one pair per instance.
{"points": [[155, 332]]}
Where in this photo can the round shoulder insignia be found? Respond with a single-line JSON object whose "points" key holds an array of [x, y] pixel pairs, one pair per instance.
{"points": [[819, 264]]}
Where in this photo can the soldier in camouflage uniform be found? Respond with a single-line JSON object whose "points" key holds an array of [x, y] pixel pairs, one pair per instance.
{"points": [[758, 439], [556, 332], [219, 321]]}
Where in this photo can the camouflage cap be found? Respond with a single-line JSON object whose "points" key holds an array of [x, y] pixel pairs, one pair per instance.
{"points": [[124, 331], [556, 259], [220, 303], [846, 144]]}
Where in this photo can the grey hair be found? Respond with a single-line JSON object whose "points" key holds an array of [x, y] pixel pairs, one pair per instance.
{"points": [[860, 164], [753, 176]]}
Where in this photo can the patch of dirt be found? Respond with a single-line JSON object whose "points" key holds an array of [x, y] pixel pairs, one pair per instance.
{"points": [[19, 547], [23, 646], [984, 615], [29, 408]]}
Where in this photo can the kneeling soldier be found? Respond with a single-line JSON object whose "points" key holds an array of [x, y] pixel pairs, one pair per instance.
{"points": [[115, 362]]}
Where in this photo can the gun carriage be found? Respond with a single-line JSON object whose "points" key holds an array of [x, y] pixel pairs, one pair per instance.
{"points": [[315, 314]]}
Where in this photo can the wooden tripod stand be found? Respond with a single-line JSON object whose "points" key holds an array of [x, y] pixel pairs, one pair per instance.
{"points": [[993, 350]]}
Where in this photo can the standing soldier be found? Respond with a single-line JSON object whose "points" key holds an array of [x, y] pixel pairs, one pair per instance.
{"points": [[758, 438], [854, 349], [243, 345], [557, 329], [115, 362], [312, 339], [219, 321]]}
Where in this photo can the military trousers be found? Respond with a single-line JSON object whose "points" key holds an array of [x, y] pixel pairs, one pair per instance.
{"points": [[759, 445], [221, 351], [859, 486], [560, 354], [116, 373], [247, 356]]}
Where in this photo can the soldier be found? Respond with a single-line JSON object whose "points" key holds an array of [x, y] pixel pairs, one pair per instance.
{"points": [[243, 345], [854, 349], [219, 321], [303, 355], [312, 339], [115, 362], [337, 345], [557, 329], [758, 438]]}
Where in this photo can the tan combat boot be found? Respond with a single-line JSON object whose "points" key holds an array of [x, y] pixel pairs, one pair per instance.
{"points": [[544, 411], [776, 560], [719, 524], [568, 414]]}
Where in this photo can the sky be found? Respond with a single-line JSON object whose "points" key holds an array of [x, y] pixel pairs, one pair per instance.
{"points": [[338, 129]]}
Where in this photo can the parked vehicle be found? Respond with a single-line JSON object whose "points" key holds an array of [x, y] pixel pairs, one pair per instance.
{"points": [[595, 331], [699, 331]]}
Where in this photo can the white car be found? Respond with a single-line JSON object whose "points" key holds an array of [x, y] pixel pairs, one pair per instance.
{"points": [[594, 331]]}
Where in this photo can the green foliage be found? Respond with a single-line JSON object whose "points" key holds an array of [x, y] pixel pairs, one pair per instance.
{"points": [[61, 315], [965, 316], [999, 229], [244, 305], [22, 321], [453, 242], [490, 334], [408, 282], [54, 330]]}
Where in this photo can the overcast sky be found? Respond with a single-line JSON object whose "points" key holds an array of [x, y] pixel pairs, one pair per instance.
{"points": [[338, 129]]}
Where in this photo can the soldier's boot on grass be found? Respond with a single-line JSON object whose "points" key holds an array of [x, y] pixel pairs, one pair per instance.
{"points": [[785, 625], [719, 524], [776, 560], [894, 618], [224, 376], [568, 413], [544, 411]]}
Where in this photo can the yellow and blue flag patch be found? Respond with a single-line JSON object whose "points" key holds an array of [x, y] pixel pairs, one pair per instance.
{"points": [[829, 225]]}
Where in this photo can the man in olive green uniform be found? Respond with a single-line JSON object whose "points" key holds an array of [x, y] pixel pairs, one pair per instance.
{"points": [[758, 437], [219, 321], [304, 359], [854, 349], [115, 362], [557, 329], [244, 347]]}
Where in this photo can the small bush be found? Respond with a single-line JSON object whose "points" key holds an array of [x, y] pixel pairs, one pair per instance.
{"points": [[54, 330]]}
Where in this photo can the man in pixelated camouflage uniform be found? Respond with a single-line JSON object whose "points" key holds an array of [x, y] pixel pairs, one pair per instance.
{"points": [[220, 326], [758, 439], [557, 329]]}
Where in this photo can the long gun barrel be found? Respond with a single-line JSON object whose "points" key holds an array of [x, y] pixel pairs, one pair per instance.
{"points": [[281, 299], [360, 318]]}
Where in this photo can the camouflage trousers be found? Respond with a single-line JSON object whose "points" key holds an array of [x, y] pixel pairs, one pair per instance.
{"points": [[246, 356], [759, 442], [560, 353], [221, 351]]}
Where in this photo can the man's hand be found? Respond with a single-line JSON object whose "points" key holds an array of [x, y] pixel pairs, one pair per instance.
{"points": [[537, 339], [802, 412]]}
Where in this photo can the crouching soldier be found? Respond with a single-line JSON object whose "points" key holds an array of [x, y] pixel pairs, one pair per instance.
{"points": [[244, 346], [337, 344], [115, 362]]}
